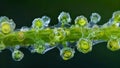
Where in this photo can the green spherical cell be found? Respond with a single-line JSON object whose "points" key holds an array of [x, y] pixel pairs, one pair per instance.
{"points": [[84, 45], [67, 53], [116, 17], [81, 21], [113, 44], [17, 55], [37, 23]]}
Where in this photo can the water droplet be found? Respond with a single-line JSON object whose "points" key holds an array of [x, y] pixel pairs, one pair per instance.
{"points": [[95, 17], [64, 18], [84, 45], [113, 44], [46, 20], [37, 24], [17, 55], [67, 53], [81, 20]]}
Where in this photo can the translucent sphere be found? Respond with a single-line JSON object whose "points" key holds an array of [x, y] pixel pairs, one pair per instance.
{"points": [[64, 18], [113, 44], [81, 20], [37, 24], [116, 17], [67, 53], [17, 55], [95, 17], [84, 45], [46, 20]]}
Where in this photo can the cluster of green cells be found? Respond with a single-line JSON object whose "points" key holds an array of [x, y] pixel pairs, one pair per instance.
{"points": [[66, 36]]}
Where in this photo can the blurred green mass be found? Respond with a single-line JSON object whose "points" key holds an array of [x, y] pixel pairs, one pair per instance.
{"points": [[24, 11]]}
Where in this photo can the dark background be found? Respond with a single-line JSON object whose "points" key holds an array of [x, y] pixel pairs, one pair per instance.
{"points": [[23, 12]]}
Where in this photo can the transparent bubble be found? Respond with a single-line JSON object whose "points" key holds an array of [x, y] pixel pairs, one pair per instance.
{"points": [[46, 20], [95, 17], [113, 44], [84, 45], [64, 18], [81, 20], [17, 55], [116, 17], [67, 53], [37, 24]]}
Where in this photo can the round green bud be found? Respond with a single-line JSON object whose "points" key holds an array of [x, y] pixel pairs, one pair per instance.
{"points": [[5, 27], [81, 21], [17, 55], [84, 45], [113, 44], [67, 53]]}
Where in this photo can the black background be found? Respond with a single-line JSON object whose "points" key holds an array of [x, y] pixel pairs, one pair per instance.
{"points": [[23, 12]]}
